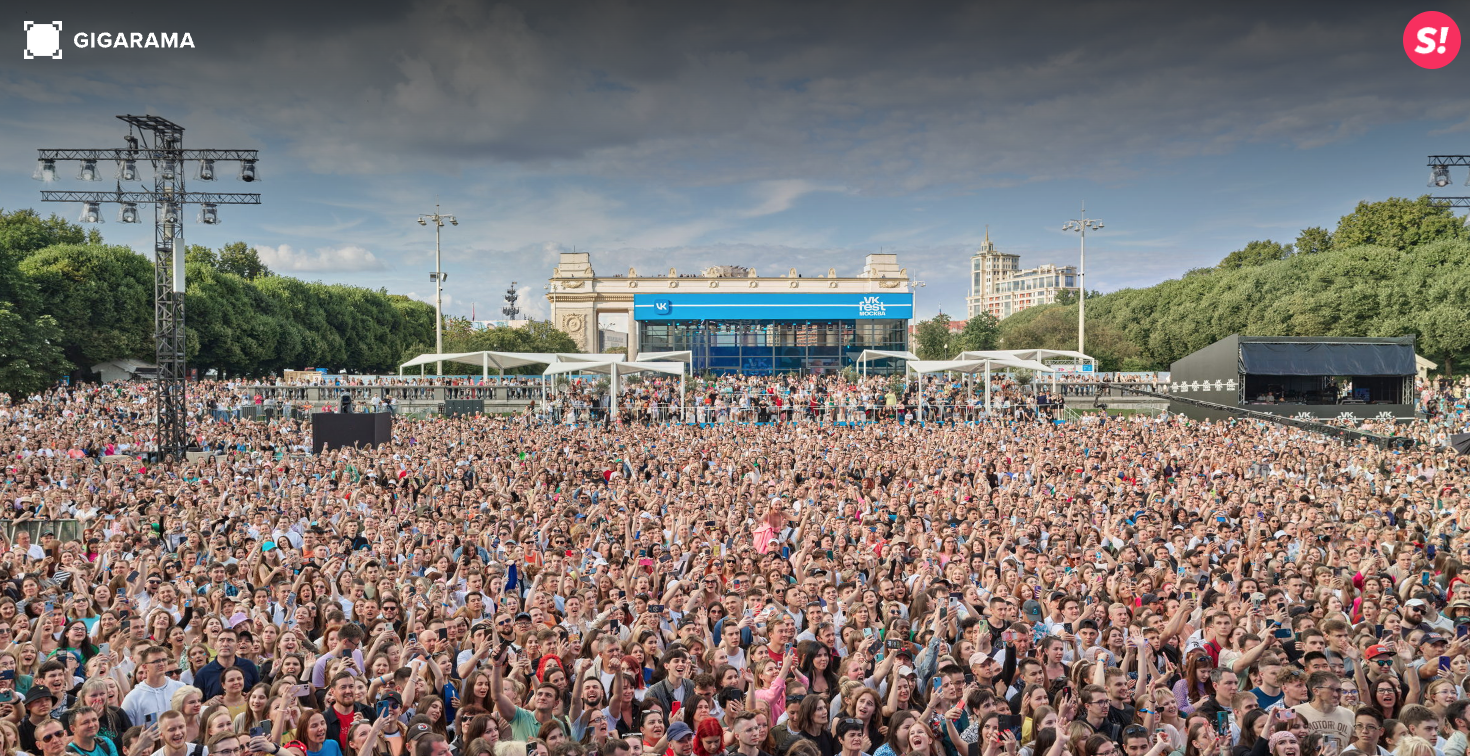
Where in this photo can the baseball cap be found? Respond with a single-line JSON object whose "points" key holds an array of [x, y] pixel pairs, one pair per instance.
{"points": [[1416, 602], [1031, 610], [1432, 638], [1377, 650], [417, 727], [982, 658], [679, 731]]}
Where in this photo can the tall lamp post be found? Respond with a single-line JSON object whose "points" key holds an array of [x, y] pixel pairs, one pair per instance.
{"points": [[438, 278], [1081, 226]]}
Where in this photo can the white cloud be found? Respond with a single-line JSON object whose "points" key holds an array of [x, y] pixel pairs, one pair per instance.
{"points": [[348, 258], [779, 196]]}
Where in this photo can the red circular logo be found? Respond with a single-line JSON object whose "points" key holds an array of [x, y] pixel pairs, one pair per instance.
{"points": [[1432, 40]]}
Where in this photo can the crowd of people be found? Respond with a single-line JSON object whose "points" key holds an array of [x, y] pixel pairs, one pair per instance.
{"points": [[509, 586]]}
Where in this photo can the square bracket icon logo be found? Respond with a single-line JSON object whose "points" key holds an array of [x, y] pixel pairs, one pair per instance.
{"points": [[43, 40]]}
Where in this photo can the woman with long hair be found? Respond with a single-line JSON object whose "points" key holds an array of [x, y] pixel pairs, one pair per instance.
{"points": [[75, 640], [257, 708], [1194, 686], [920, 741], [111, 721], [232, 680], [215, 720], [188, 701], [863, 703], [816, 666], [898, 733], [1387, 700], [1252, 728], [313, 735]]}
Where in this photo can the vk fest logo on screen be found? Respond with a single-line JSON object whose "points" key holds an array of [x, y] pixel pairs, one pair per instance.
{"points": [[872, 307], [662, 306]]}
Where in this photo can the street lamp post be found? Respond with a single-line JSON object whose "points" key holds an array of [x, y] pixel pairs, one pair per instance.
{"points": [[438, 278], [1081, 226]]}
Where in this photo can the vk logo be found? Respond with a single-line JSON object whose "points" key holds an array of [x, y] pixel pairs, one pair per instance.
{"points": [[663, 306]]}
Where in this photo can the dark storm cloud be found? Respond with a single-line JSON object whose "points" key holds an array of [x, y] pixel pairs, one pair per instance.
{"points": [[881, 97]]}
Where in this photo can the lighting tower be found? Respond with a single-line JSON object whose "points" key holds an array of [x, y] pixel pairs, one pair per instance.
{"points": [[1081, 226], [438, 278], [1439, 177], [158, 143]]}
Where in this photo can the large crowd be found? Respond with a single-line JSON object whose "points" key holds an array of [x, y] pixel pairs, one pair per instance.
{"points": [[1002, 585]]}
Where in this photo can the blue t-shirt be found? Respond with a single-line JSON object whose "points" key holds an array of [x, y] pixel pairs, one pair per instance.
{"points": [[329, 748]]}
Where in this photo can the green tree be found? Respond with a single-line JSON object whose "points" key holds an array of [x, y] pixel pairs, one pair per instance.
{"points": [[933, 340], [243, 261], [101, 296], [31, 356], [1255, 253], [1398, 223], [1313, 240], [981, 331]]}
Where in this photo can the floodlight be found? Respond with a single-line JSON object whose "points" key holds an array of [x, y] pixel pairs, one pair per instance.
{"points": [[1439, 176], [167, 172], [91, 212], [45, 170], [247, 171], [206, 170], [128, 170], [88, 171], [128, 213], [209, 214]]}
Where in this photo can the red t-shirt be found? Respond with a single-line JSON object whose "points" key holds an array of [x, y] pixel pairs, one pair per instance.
{"points": [[344, 723]]}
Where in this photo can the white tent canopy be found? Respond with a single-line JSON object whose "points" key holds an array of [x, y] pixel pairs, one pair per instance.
{"points": [[617, 368], [1026, 354], [503, 360], [985, 364], [679, 356], [869, 355]]}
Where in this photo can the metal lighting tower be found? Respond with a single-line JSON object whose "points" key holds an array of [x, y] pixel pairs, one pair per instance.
{"points": [[438, 278], [1081, 226], [1439, 177], [160, 143]]}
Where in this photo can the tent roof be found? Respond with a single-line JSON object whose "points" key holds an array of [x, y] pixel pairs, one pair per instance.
{"points": [[501, 360], [1025, 354], [878, 354], [677, 356], [606, 367], [975, 366]]}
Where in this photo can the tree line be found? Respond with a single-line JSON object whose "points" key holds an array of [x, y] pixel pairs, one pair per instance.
{"points": [[1391, 268], [69, 301]]}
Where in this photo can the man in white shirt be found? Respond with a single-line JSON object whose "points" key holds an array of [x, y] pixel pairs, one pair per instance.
{"points": [[154, 695]]}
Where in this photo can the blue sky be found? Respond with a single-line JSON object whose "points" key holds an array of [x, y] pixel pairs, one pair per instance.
{"points": [[768, 135]]}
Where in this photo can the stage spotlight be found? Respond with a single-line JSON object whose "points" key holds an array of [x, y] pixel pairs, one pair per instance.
{"points": [[206, 170], [128, 170], [171, 214], [128, 213], [1439, 176], [45, 170], [167, 172], [209, 214], [247, 171], [91, 212], [88, 171]]}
